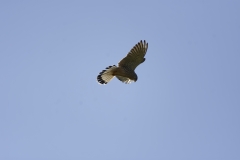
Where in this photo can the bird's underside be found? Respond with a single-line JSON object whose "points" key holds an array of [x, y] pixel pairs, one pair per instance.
{"points": [[125, 69]]}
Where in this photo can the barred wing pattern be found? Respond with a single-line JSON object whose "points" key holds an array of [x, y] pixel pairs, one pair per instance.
{"points": [[125, 69], [135, 56]]}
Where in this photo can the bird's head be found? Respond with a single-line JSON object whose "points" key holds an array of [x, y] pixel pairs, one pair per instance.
{"points": [[135, 78]]}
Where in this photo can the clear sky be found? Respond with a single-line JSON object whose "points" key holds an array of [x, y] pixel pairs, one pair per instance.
{"points": [[184, 106]]}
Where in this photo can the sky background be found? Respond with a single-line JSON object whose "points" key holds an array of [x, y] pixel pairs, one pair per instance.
{"points": [[185, 104]]}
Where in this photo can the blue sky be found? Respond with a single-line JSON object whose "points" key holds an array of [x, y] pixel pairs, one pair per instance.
{"points": [[185, 104]]}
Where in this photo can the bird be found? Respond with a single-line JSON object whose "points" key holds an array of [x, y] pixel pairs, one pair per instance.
{"points": [[125, 69]]}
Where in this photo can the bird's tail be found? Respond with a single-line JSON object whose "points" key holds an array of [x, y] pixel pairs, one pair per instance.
{"points": [[106, 75]]}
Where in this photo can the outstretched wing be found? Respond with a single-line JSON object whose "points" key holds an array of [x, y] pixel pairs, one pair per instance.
{"points": [[135, 56]]}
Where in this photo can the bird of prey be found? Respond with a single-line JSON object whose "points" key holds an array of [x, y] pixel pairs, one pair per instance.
{"points": [[125, 69]]}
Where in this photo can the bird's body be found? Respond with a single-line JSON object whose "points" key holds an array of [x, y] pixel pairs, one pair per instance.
{"points": [[125, 70]]}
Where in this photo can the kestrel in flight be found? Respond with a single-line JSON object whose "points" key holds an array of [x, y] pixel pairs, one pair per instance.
{"points": [[125, 69]]}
